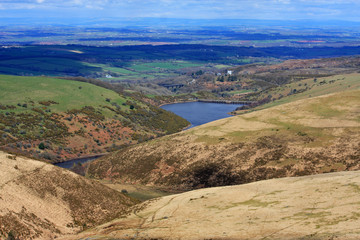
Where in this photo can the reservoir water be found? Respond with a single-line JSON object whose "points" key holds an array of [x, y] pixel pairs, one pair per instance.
{"points": [[198, 113], [70, 163]]}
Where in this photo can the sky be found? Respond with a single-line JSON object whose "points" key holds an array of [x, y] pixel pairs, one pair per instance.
{"points": [[193, 9]]}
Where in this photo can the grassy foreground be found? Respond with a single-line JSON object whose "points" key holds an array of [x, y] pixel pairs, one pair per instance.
{"points": [[41, 201], [318, 207]]}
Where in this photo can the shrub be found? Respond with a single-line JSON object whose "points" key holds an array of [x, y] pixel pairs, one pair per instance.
{"points": [[42, 146], [212, 175], [11, 236]]}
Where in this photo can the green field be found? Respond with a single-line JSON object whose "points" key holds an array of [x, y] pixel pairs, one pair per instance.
{"points": [[68, 94], [117, 70], [167, 65], [220, 66], [140, 70]]}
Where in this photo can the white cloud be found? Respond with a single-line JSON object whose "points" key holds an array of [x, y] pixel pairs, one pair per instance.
{"points": [[283, 1], [251, 9]]}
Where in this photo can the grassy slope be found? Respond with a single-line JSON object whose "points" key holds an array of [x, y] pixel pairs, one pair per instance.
{"points": [[41, 201], [307, 136], [318, 207], [69, 94], [309, 88], [74, 118]]}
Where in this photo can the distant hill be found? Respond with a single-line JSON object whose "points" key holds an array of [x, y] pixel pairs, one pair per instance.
{"points": [[256, 81], [97, 62], [41, 201], [57, 119], [303, 137], [301, 89], [317, 207]]}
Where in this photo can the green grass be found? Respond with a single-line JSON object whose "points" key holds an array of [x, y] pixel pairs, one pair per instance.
{"points": [[146, 194], [324, 110], [117, 70], [69, 94], [140, 70], [220, 66], [161, 66]]}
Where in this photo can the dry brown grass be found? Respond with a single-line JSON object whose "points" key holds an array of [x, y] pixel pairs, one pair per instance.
{"points": [[318, 207], [41, 201], [304, 137]]}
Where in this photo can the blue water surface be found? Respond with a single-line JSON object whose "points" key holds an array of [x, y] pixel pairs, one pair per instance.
{"points": [[198, 113], [70, 163]]}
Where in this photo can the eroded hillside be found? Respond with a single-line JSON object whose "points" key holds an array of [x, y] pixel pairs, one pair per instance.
{"points": [[41, 201], [318, 207], [314, 135], [59, 119]]}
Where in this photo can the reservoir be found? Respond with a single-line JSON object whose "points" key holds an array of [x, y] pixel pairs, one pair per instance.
{"points": [[198, 113], [70, 163]]}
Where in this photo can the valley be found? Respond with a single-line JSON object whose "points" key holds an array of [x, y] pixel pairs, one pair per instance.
{"points": [[111, 127], [313, 129], [180, 182]]}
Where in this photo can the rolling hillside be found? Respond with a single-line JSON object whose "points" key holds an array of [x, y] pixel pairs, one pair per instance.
{"points": [[303, 89], [320, 207], [307, 136], [41, 201], [57, 119]]}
